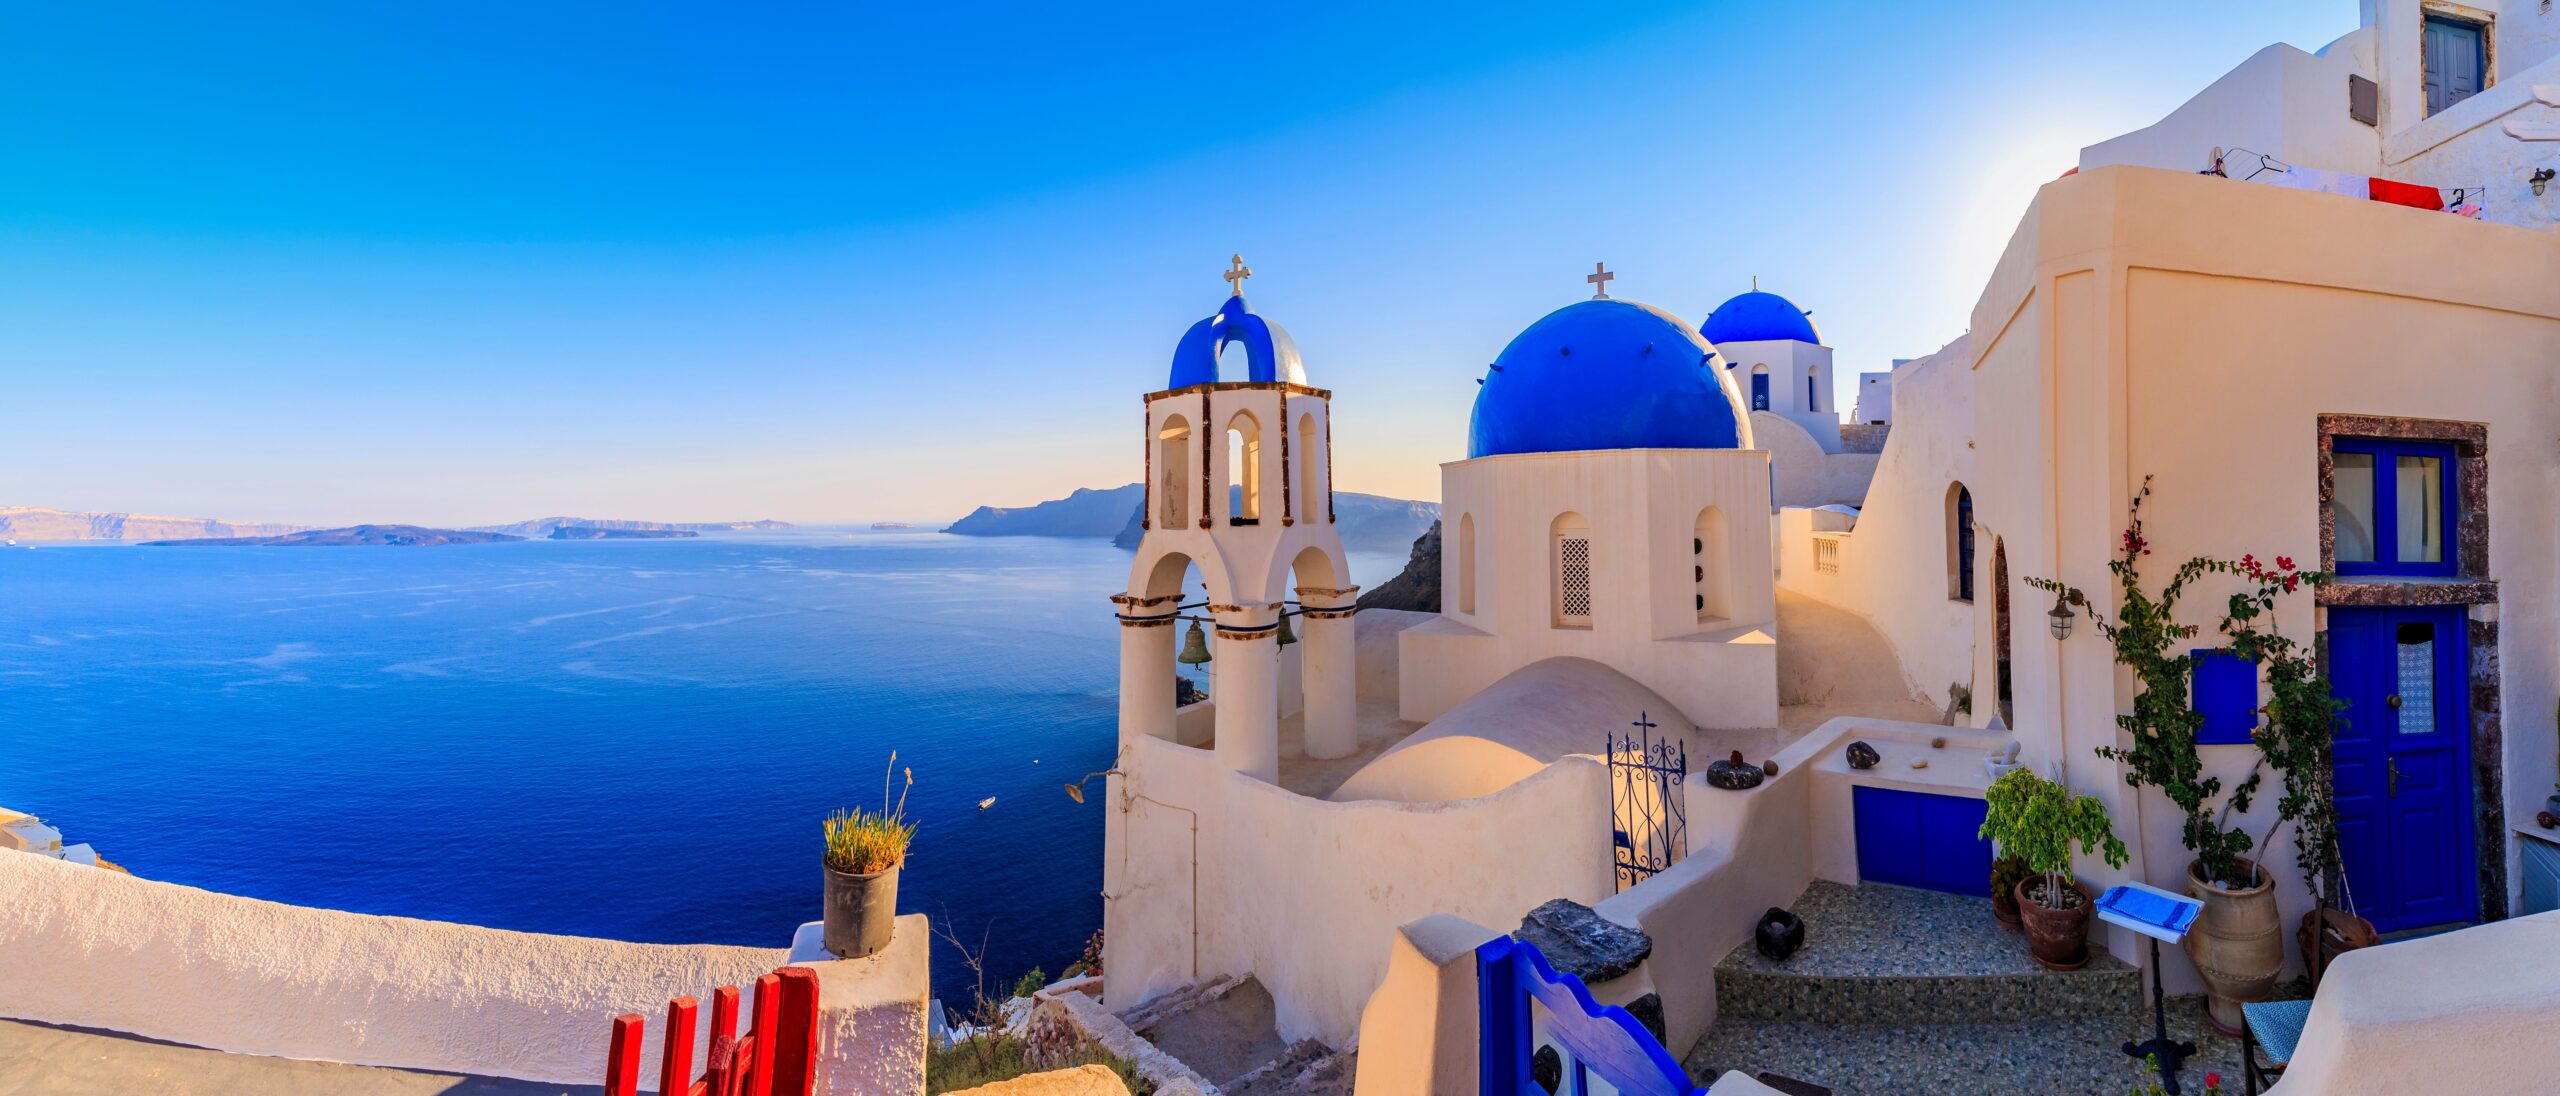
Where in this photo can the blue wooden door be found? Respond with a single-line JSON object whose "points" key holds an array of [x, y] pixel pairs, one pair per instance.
{"points": [[2402, 763], [1914, 839], [2456, 59]]}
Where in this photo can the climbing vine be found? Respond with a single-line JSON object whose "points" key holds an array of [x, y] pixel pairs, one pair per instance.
{"points": [[2294, 726]]}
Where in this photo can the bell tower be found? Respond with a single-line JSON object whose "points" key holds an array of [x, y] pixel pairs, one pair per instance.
{"points": [[1239, 484]]}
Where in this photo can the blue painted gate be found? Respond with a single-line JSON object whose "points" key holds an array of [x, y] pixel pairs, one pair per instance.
{"points": [[1526, 1008], [2401, 764]]}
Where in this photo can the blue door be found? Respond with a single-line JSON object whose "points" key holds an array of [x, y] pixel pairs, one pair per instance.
{"points": [[2402, 763], [2456, 57], [1919, 840]]}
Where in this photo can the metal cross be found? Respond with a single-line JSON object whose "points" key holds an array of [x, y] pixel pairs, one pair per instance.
{"points": [[1236, 275], [1644, 720], [1599, 279]]}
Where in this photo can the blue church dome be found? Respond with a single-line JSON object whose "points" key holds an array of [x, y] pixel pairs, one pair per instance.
{"points": [[1269, 354], [1759, 317], [1605, 374]]}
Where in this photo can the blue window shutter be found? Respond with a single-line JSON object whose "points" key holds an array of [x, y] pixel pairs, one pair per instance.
{"points": [[2454, 57], [2224, 688]]}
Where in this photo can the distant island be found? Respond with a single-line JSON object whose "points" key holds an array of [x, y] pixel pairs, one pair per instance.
{"points": [[42, 523], [545, 527], [400, 536], [893, 525], [600, 532], [1368, 523]]}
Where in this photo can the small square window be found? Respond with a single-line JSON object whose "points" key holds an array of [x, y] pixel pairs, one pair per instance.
{"points": [[2224, 689], [2391, 503]]}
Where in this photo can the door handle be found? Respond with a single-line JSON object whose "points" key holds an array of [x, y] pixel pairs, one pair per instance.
{"points": [[2394, 763], [2392, 702]]}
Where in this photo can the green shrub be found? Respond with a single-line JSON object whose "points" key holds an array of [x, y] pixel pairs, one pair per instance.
{"points": [[860, 842], [2037, 821], [986, 1059]]}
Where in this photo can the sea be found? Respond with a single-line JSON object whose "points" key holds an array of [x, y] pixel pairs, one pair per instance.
{"points": [[631, 739]]}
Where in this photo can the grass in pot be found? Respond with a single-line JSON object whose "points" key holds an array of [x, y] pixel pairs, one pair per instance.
{"points": [[864, 852], [2038, 821]]}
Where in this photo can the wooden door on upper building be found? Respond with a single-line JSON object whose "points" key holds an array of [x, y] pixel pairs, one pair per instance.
{"points": [[2456, 57], [2401, 762]]}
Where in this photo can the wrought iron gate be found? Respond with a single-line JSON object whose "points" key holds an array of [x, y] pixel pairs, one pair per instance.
{"points": [[1649, 820]]}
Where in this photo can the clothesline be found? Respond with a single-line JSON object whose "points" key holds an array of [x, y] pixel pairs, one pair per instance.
{"points": [[2464, 201]]}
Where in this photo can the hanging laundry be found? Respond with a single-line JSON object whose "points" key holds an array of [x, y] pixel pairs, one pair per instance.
{"points": [[2407, 194], [2467, 209], [2322, 180]]}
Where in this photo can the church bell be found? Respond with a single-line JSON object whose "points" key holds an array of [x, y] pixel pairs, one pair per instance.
{"points": [[1195, 647], [1286, 637]]}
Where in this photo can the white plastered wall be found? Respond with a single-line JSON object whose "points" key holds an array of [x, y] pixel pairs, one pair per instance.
{"points": [[1643, 507]]}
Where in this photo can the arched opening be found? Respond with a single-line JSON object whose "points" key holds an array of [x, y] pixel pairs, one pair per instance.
{"points": [[1467, 564], [1760, 388], [1959, 543], [1571, 570], [1812, 389], [1160, 694], [1711, 563], [1308, 455], [2000, 629], [1173, 473], [1244, 469]]}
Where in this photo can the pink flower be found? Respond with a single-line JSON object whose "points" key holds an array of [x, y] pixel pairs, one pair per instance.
{"points": [[2285, 562]]}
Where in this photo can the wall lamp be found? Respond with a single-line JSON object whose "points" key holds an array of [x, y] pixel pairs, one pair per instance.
{"points": [[1075, 791], [2059, 617], [2540, 178]]}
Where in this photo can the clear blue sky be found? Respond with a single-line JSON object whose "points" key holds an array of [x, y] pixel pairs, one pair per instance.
{"points": [[461, 263]]}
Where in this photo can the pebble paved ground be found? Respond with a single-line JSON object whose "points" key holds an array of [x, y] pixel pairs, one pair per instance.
{"points": [[2056, 1056], [45, 1060]]}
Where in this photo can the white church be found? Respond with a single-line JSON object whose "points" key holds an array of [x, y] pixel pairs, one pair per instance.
{"points": [[2314, 313]]}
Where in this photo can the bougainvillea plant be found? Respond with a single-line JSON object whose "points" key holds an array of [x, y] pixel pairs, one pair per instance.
{"points": [[2294, 727]]}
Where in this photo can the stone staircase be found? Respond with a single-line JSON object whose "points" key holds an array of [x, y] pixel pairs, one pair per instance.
{"points": [[1224, 1030], [1915, 992]]}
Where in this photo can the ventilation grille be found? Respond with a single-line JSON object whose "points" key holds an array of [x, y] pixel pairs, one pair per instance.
{"points": [[1573, 585]]}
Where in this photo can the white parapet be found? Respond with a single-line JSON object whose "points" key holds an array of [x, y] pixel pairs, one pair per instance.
{"points": [[871, 1011]]}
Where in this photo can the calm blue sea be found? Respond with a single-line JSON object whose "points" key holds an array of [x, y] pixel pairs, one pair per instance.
{"points": [[628, 739]]}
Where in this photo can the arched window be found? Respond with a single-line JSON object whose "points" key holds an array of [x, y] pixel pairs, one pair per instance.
{"points": [[1759, 388], [1244, 467], [1812, 389], [1173, 473], [1959, 543], [1309, 454], [1467, 564], [1572, 571], [1711, 566]]}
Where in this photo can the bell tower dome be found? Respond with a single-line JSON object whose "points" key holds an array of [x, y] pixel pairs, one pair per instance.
{"points": [[1239, 484]]}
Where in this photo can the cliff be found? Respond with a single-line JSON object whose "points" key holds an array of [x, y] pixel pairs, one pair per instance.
{"points": [[603, 532], [399, 536], [1089, 512], [1417, 587], [545, 527], [40, 523]]}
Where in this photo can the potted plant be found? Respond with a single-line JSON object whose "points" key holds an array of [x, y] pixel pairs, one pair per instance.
{"points": [[2037, 821], [864, 851], [2237, 942], [2006, 873]]}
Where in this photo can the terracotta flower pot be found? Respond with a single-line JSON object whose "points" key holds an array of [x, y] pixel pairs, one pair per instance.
{"points": [[2237, 943], [2004, 909], [2346, 932], [2058, 939], [860, 912]]}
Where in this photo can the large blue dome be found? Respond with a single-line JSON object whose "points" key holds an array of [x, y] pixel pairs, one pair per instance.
{"points": [[1759, 317], [1605, 374]]}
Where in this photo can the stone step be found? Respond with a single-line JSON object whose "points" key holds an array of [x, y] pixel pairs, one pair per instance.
{"points": [[1145, 1013], [2075, 1055], [1307, 1068], [1879, 954]]}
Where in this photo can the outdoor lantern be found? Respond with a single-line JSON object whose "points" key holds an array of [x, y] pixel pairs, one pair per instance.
{"points": [[1195, 647], [1286, 637], [2060, 618], [2540, 178]]}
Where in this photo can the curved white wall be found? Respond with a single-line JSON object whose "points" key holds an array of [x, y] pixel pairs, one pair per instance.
{"points": [[102, 949]]}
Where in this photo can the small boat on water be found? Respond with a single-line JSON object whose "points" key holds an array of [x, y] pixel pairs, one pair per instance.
{"points": [[986, 803]]}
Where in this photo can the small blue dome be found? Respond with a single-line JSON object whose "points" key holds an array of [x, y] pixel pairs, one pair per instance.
{"points": [[1605, 374], [1759, 317], [1270, 355]]}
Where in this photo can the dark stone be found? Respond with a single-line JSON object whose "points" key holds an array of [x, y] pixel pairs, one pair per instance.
{"points": [[1547, 1068], [1648, 1011], [1734, 778], [1581, 943], [1778, 934], [1863, 756], [1769, 767]]}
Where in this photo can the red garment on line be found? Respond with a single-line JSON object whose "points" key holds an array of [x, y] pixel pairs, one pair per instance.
{"points": [[2408, 194]]}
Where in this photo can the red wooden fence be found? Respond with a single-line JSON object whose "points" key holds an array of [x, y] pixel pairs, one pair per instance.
{"points": [[778, 1056]]}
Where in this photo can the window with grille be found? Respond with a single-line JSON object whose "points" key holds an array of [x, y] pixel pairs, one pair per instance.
{"points": [[1826, 555], [1573, 579]]}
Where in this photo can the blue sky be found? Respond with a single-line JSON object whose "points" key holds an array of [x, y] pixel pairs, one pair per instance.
{"points": [[466, 263]]}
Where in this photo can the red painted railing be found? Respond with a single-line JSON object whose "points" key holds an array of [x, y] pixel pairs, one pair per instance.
{"points": [[778, 1056]]}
